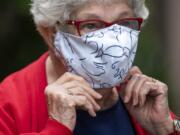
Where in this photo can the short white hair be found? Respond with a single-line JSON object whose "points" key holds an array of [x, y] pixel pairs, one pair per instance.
{"points": [[49, 12]]}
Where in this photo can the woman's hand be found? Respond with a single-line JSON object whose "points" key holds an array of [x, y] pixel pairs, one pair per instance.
{"points": [[67, 93], [146, 100]]}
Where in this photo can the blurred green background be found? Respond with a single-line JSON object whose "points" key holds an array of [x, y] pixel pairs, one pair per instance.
{"points": [[20, 43]]}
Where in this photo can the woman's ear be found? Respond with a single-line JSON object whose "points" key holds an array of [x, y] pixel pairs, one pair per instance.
{"points": [[48, 34]]}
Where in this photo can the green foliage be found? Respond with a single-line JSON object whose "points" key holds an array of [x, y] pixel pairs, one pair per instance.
{"points": [[23, 6], [20, 43], [149, 55]]}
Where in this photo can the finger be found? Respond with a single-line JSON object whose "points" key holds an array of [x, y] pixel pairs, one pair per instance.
{"points": [[134, 70], [129, 88], [80, 91], [161, 90], [66, 77], [92, 92], [89, 90], [142, 96], [82, 101], [136, 89], [49, 102], [163, 87], [115, 91], [145, 91], [50, 99]]}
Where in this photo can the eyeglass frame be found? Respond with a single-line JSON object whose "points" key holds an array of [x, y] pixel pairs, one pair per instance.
{"points": [[77, 23]]}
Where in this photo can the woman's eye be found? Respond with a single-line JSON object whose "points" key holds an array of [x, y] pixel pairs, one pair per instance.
{"points": [[125, 23], [90, 26], [130, 24]]}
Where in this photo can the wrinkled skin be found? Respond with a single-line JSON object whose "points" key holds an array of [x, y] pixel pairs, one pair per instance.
{"points": [[145, 100]]}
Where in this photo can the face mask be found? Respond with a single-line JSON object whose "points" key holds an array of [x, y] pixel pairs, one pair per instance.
{"points": [[102, 57]]}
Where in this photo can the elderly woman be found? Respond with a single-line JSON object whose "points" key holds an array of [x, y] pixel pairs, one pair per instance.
{"points": [[85, 84]]}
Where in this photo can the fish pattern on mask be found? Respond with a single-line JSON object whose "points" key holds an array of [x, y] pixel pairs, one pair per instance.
{"points": [[102, 57]]}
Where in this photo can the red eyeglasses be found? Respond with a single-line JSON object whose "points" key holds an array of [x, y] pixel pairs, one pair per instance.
{"points": [[87, 26]]}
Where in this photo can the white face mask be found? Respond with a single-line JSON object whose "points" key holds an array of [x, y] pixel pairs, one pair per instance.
{"points": [[102, 57]]}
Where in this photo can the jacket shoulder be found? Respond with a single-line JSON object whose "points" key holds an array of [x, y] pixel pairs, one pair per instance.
{"points": [[18, 84]]}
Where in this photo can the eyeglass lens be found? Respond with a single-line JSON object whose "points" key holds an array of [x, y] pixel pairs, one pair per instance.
{"points": [[89, 26]]}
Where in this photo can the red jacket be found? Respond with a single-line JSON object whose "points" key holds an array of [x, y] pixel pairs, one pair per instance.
{"points": [[23, 108]]}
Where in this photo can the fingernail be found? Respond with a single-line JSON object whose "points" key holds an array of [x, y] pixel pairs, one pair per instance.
{"points": [[99, 96], [71, 104], [94, 114], [126, 99], [134, 102], [98, 108]]}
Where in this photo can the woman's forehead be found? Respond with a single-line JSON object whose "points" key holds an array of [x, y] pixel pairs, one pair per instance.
{"points": [[94, 10]]}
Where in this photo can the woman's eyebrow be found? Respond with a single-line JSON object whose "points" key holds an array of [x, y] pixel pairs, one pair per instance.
{"points": [[125, 14], [86, 16]]}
